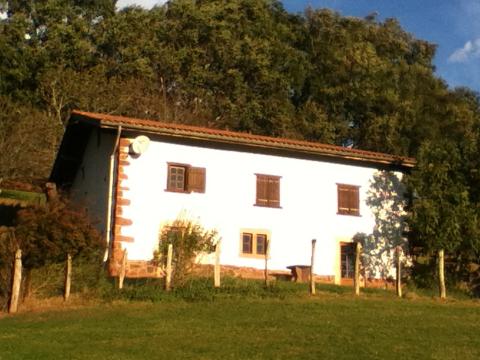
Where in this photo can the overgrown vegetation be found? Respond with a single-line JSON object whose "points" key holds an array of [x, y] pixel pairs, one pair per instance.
{"points": [[189, 240], [46, 234]]}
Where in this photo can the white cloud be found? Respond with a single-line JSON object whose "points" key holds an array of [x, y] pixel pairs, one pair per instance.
{"points": [[470, 50], [147, 4]]}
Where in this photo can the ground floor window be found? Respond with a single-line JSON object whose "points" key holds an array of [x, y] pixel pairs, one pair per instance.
{"points": [[347, 260], [254, 242]]}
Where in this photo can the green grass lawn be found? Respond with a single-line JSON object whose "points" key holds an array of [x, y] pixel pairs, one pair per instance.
{"points": [[331, 325]]}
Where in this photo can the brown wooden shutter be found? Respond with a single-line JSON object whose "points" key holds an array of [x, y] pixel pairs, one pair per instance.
{"points": [[274, 191], [342, 199], [262, 190], [196, 179], [354, 201], [348, 199]]}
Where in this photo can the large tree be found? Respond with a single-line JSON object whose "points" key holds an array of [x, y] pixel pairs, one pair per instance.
{"points": [[445, 212]]}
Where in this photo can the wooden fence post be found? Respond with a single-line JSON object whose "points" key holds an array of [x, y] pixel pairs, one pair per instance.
{"points": [[398, 283], [168, 272], [312, 262], [123, 270], [356, 279], [68, 277], [441, 274], [16, 281], [266, 262], [216, 269]]}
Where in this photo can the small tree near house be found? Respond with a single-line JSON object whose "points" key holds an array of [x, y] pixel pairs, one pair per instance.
{"points": [[188, 239], [47, 234]]}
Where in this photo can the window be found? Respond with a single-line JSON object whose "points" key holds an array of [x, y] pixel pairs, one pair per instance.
{"points": [[185, 178], [247, 243], [254, 243], [347, 260], [268, 190], [261, 244], [348, 200]]}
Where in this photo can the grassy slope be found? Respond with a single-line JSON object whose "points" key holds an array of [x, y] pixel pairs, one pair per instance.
{"points": [[331, 326]]}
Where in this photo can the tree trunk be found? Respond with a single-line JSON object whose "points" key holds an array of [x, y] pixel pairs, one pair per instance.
{"points": [[312, 263], [356, 279], [441, 274], [16, 282]]}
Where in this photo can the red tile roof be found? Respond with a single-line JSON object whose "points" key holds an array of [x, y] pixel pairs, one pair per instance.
{"points": [[202, 133]]}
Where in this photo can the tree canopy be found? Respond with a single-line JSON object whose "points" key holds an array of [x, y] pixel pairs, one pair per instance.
{"points": [[245, 65]]}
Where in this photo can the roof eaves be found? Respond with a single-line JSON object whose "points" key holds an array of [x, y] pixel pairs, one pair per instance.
{"points": [[267, 144], [227, 137]]}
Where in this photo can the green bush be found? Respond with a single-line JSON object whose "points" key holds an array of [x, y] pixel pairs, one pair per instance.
{"points": [[188, 239], [47, 233]]}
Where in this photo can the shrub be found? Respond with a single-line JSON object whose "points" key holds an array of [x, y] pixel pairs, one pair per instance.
{"points": [[188, 240], [47, 233]]}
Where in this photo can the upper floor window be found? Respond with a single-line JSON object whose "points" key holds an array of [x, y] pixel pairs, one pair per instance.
{"points": [[185, 178], [268, 190], [348, 199]]}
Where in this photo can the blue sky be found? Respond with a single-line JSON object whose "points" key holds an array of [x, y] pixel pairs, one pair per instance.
{"points": [[454, 25]]}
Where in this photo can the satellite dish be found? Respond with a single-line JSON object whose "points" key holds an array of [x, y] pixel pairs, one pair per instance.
{"points": [[139, 145]]}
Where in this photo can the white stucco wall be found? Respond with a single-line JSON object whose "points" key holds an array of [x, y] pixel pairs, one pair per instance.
{"points": [[308, 199]]}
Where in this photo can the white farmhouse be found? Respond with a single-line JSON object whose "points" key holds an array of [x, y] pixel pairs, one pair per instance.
{"points": [[136, 175]]}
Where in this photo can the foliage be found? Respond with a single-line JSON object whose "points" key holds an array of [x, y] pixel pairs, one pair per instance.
{"points": [[28, 140], [89, 280], [188, 239], [46, 234], [444, 214], [245, 65]]}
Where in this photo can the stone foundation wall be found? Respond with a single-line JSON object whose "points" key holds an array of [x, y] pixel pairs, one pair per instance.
{"points": [[143, 269]]}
